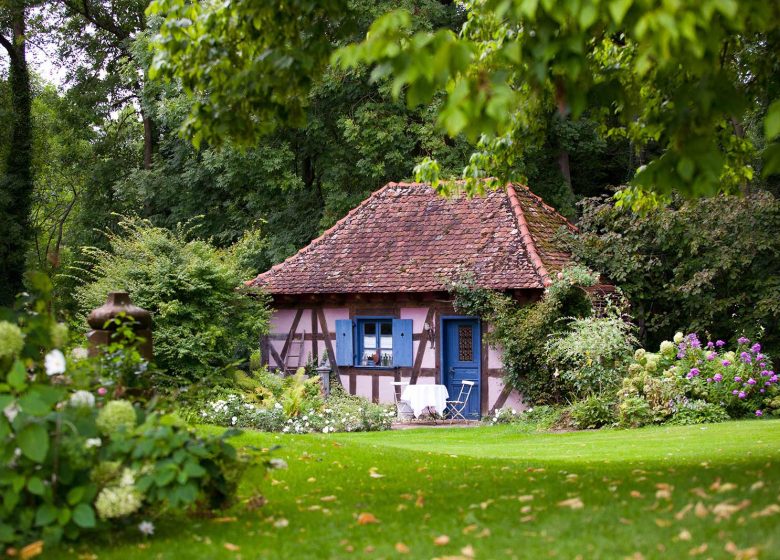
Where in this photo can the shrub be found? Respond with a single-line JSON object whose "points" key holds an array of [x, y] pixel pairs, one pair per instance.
{"points": [[593, 412], [634, 412], [698, 412], [202, 322], [590, 354], [538, 418], [80, 461]]}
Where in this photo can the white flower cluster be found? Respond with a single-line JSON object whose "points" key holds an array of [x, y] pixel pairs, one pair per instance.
{"points": [[119, 500], [82, 399], [506, 416]]}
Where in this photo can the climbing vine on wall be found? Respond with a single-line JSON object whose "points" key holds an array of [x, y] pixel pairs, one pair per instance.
{"points": [[522, 331]]}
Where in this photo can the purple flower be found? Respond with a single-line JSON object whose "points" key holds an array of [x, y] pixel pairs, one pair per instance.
{"points": [[737, 378], [759, 413], [762, 391], [711, 356], [767, 383], [720, 344], [746, 357], [762, 364], [694, 372], [726, 363], [710, 345], [773, 379], [709, 380], [751, 381], [717, 377], [742, 395], [756, 348], [743, 340], [765, 373]]}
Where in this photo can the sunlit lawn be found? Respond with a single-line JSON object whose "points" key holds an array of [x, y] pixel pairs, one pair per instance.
{"points": [[679, 492]]}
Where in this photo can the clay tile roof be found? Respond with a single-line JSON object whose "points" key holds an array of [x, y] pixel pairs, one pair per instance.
{"points": [[406, 238]]}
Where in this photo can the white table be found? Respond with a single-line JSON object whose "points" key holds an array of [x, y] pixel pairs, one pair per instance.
{"points": [[423, 396]]}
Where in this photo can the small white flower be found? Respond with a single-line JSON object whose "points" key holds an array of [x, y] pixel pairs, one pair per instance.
{"points": [[278, 406], [328, 411], [233, 420], [514, 411], [93, 442], [81, 399], [55, 363], [146, 528], [11, 411]]}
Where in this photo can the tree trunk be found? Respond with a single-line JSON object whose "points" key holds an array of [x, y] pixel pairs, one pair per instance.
{"points": [[17, 184], [148, 140]]}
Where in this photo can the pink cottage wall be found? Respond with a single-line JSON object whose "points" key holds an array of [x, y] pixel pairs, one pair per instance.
{"points": [[377, 384]]}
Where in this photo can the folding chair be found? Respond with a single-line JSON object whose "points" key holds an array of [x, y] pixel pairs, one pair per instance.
{"points": [[403, 409], [455, 408]]}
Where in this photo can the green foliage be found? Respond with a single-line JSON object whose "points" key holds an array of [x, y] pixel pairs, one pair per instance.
{"points": [[699, 412], [522, 332], [590, 354], [593, 412], [78, 461], [537, 418], [634, 412], [201, 319], [666, 77], [279, 51], [711, 265]]}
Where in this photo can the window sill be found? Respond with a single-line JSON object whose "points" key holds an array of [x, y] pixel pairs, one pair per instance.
{"points": [[375, 367]]}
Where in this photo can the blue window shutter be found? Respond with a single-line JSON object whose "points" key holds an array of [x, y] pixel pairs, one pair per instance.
{"points": [[344, 353], [402, 343]]}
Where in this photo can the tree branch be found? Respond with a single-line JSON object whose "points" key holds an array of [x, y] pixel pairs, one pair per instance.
{"points": [[9, 46]]}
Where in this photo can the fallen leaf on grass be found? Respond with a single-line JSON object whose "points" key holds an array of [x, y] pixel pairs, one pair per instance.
{"points": [[683, 512], [526, 498], [483, 533], [311, 479], [420, 501], [725, 510], [744, 554], [372, 472], [31, 550], [231, 547], [527, 519], [685, 535], [663, 522], [401, 548], [328, 499], [467, 551], [224, 519], [636, 494], [771, 509], [698, 550], [701, 510], [365, 518], [469, 529], [441, 540], [281, 523], [573, 503]]}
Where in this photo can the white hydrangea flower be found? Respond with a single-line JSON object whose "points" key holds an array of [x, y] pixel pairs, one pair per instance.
{"points": [[54, 363], [678, 337], [79, 353], [113, 502], [127, 479], [81, 399], [93, 442], [11, 411]]}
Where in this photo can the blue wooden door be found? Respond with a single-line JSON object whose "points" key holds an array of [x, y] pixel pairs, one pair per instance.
{"points": [[462, 360]]}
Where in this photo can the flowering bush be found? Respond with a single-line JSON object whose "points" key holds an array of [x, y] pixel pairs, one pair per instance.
{"points": [[542, 417], [74, 459], [337, 414], [688, 381], [593, 412]]}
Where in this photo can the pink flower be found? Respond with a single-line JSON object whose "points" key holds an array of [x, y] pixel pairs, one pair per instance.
{"points": [[742, 395], [737, 378], [717, 377], [751, 381], [102, 391], [759, 413]]}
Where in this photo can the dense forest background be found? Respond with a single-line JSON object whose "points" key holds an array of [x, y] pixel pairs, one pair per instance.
{"points": [[104, 144]]}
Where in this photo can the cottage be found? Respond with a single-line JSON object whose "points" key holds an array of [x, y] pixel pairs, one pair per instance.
{"points": [[369, 293]]}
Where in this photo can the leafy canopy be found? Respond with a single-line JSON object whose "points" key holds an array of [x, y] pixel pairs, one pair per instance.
{"points": [[679, 76]]}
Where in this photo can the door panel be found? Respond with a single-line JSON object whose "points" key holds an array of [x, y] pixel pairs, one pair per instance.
{"points": [[462, 360]]}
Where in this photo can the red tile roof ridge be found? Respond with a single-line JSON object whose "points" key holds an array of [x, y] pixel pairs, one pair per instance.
{"points": [[525, 235], [314, 242]]}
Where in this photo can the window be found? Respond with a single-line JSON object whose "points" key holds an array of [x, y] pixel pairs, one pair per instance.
{"points": [[375, 342]]}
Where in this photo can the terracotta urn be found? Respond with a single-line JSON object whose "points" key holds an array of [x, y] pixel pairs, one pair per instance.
{"points": [[116, 303]]}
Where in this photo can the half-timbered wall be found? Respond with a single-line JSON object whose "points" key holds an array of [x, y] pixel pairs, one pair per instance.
{"points": [[316, 321]]}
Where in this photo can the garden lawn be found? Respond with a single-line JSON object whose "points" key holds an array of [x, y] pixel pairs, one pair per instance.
{"points": [[708, 491]]}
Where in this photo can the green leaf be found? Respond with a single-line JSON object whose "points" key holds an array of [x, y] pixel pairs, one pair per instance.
{"points": [[193, 469], [76, 494], [618, 10], [46, 515], [84, 516], [34, 405], [772, 121], [33, 440], [35, 486], [686, 167], [17, 378]]}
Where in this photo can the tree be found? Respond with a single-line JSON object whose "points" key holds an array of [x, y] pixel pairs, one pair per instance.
{"points": [[676, 79], [16, 184]]}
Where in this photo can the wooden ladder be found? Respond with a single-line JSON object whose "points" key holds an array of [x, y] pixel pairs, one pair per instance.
{"points": [[294, 358]]}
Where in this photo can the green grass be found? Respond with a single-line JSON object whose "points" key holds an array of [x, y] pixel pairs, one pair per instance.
{"points": [[499, 492]]}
